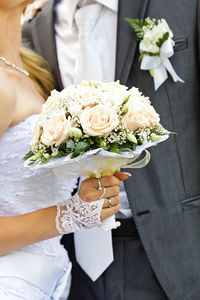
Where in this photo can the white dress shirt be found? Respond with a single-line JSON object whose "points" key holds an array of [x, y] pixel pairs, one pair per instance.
{"points": [[105, 35]]}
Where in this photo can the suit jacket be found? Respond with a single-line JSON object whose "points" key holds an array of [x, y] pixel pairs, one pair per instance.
{"points": [[165, 195]]}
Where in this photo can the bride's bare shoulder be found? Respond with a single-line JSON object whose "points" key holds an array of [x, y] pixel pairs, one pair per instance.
{"points": [[7, 101], [7, 90]]}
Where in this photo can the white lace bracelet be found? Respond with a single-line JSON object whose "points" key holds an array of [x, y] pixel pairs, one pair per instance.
{"points": [[76, 214]]}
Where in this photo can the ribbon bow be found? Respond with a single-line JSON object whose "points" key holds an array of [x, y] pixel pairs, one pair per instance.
{"points": [[161, 64]]}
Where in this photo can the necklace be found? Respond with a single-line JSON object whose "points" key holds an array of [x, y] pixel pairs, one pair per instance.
{"points": [[14, 66]]}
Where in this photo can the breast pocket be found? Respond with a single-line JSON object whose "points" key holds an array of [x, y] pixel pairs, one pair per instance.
{"points": [[180, 44], [190, 203]]}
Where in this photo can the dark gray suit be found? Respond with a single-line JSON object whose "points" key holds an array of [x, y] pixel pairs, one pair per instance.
{"points": [[165, 195]]}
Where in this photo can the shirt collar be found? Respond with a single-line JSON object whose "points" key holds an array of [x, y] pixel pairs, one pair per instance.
{"points": [[71, 5], [112, 4]]}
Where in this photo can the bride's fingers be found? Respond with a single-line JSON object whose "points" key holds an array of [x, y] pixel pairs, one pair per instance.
{"points": [[104, 181], [108, 192], [111, 202], [107, 212], [122, 175], [93, 194], [89, 192]]}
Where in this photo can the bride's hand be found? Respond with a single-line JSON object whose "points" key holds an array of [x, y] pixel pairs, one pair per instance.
{"points": [[89, 192]]}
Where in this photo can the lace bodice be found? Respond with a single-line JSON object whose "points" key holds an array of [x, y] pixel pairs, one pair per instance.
{"points": [[23, 190]]}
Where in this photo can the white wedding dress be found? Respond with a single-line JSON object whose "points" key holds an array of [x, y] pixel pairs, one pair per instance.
{"points": [[40, 271]]}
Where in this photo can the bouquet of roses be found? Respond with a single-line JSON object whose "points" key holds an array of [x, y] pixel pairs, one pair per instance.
{"points": [[94, 129]]}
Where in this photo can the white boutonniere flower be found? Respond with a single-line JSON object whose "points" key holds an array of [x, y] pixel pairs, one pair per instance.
{"points": [[156, 47]]}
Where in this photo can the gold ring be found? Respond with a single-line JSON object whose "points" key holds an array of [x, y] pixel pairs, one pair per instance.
{"points": [[110, 203]]}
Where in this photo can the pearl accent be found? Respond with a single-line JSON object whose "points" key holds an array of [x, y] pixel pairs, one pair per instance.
{"points": [[14, 66]]}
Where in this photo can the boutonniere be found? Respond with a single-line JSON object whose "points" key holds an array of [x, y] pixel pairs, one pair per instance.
{"points": [[156, 47]]}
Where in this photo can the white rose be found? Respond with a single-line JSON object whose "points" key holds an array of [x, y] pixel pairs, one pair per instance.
{"points": [[146, 45], [99, 120], [152, 36], [55, 129], [166, 28]]}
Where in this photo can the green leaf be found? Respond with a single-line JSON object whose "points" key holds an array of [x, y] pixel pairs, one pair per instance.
{"points": [[107, 147], [125, 111], [70, 144], [126, 100], [102, 143], [60, 154], [137, 25], [163, 39], [91, 141], [62, 147], [38, 155], [81, 147], [44, 160], [127, 147], [74, 155], [31, 163], [141, 57], [114, 148], [28, 155], [151, 73], [97, 141]]}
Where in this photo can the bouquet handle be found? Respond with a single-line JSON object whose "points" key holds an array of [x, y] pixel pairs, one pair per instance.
{"points": [[110, 222]]}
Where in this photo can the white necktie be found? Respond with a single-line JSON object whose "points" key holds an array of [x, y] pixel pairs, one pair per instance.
{"points": [[88, 62], [93, 247]]}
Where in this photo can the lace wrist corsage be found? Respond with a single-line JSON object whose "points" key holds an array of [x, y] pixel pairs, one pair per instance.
{"points": [[76, 214]]}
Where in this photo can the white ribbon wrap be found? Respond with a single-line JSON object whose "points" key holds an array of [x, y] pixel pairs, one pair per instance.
{"points": [[161, 64]]}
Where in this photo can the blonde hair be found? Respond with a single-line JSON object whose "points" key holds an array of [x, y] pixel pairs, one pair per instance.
{"points": [[39, 71]]}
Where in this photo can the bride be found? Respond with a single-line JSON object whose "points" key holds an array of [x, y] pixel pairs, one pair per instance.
{"points": [[33, 264]]}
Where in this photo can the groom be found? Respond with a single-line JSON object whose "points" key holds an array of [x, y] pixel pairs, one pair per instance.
{"points": [[157, 248]]}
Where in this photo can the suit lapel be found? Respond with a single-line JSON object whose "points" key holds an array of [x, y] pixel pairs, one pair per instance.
{"points": [[126, 38], [46, 37]]}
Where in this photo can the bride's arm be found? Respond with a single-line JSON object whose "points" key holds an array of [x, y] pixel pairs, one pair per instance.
{"points": [[19, 231], [7, 102]]}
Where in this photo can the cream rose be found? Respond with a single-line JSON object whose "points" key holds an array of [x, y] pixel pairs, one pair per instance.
{"points": [[87, 96], [99, 120], [55, 129], [140, 114], [54, 102]]}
